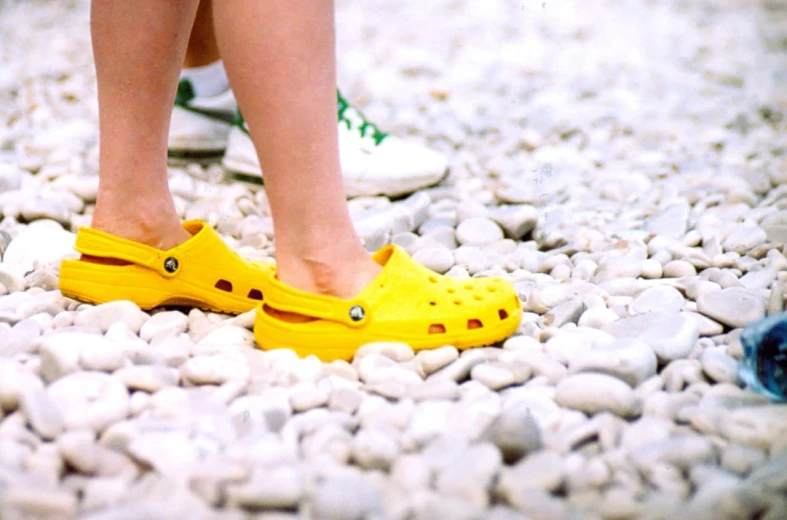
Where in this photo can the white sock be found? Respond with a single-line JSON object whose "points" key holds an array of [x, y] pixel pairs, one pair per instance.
{"points": [[208, 80]]}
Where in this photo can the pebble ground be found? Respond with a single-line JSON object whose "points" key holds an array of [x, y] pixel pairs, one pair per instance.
{"points": [[622, 162]]}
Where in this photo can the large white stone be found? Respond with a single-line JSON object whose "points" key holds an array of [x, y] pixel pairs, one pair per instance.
{"points": [[734, 307], [61, 353], [592, 393], [214, 369], [661, 298], [170, 322], [89, 400], [516, 220], [438, 259], [107, 314], [478, 231], [43, 242], [631, 360], [671, 336]]}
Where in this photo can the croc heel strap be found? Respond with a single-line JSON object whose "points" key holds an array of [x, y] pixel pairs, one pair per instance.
{"points": [[99, 244], [202, 272], [350, 313]]}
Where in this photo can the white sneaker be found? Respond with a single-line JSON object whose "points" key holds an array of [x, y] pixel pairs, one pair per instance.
{"points": [[199, 126], [373, 163]]}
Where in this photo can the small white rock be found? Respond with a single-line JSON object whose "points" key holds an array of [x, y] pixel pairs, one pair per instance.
{"points": [[42, 242], [90, 400], [438, 259], [679, 269], [718, 366], [214, 369], [661, 298], [593, 393], [516, 220], [734, 307], [107, 314], [478, 231], [173, 322], [631, 360]]}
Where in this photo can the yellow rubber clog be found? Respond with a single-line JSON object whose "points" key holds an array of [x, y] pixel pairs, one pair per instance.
{"points": [[406, 302], [201, 272]]}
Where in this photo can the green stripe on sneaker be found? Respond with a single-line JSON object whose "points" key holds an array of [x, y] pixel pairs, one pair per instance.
{"points": [[365, 127]]}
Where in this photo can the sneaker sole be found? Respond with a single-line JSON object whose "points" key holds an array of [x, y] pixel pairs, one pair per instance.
{"points": [[391, 188]]}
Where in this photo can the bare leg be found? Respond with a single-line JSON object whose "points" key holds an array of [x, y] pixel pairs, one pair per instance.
{"points": [[280, 57], [202, 48], [138, 48], [286, 85]]}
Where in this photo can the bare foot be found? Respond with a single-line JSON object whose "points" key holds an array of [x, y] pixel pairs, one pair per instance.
{"points": [[149, 227], [341, 279]]}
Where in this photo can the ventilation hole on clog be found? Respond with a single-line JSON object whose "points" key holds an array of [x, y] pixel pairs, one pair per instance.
{"points": [[457, 302], [451, 290], [433, 278], [468, 287], [491, 289], [478, 297], [502, 313], [437, 328], [432, 303], [224, 285], [255, 294], [474, 324]]}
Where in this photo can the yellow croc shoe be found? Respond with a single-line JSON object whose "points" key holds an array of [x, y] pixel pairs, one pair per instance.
{"points": [[406, 302], [201, 272]]}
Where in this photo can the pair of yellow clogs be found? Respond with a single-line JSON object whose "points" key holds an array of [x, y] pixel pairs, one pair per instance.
{"points": [[406, 302]]}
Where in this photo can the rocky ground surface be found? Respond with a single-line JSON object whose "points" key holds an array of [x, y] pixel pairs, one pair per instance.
{"points": [[622, 162]]}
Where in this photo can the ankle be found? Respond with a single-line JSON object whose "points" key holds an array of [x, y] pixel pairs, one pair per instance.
{"points": [[159, 229]]}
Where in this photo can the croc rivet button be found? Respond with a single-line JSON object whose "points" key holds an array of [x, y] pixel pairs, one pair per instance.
{"points": [[171, 265], [357, 313]]}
